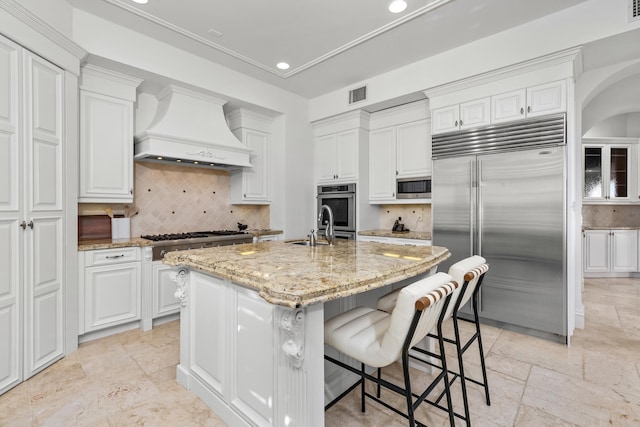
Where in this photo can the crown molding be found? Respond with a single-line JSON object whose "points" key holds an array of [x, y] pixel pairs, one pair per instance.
{"points": [[36, 23]]}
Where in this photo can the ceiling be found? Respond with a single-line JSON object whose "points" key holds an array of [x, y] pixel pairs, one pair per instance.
{"points": [[329, 44]]}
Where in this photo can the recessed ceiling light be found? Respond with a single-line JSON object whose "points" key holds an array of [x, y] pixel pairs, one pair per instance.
{"points": [[282, 65], [141, 1], [397, 6]]}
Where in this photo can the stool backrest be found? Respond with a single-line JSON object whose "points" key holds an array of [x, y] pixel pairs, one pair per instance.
{"points": [[435, 289], [474, 264]]}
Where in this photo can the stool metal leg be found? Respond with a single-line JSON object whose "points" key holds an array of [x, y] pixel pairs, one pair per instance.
{"points": [[362, 387], [479, 337], [463, 383]]}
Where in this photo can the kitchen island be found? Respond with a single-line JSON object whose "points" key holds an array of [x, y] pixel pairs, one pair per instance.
{"points": [[252, 318]]}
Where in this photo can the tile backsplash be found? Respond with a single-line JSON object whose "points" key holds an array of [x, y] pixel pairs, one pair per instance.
{"points": [[174, 199], [414, 217], [611, 215]]}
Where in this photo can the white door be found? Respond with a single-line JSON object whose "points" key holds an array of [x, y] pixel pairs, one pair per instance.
{"points": [[413, 150], [445, 119], [475, 113], [164, 289], [11, 234], [624, 250], [508, 106], [326, 158], [347, 155], [255, 179], [596, 251], [547, 99], [382, 164], [43, 328]]}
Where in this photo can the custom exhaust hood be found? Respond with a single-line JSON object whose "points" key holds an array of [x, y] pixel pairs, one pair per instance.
{"points": [[190, 129]]}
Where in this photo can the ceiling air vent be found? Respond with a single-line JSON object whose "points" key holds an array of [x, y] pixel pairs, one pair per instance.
{"points": [[634, 10], [360, 94]]}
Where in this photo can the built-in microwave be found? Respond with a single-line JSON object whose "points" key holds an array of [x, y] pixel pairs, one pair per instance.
{"points": [[413, 188]]}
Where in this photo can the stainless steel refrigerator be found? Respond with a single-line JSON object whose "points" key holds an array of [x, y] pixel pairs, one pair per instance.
{"points": [[499, 192]]}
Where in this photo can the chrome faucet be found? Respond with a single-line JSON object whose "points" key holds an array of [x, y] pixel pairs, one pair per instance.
{"points": [[328, 232]]}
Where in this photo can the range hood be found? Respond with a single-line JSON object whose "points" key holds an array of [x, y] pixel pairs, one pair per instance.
{"points": [[190, 129]]}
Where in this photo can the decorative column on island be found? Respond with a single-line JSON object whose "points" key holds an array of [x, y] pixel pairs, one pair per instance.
{"points": [[252, 320]]}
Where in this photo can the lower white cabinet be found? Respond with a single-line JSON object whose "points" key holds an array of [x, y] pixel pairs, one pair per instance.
{"points": [[110, 288], [163, 288], [267, 238], [610, 251], [395, 240]]}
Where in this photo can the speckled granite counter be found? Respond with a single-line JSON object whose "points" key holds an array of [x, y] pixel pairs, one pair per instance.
{"points": [[88, 245], [419, 235], [264, 232], [591, 227], [295, 276]]}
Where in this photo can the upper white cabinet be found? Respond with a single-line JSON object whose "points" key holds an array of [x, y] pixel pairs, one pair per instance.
{"points": [[106, 136], [399, 147], [530, 102], [32, 213], [610, 170], [461, 116], [517, 104], [341, 147], [251, 185]]}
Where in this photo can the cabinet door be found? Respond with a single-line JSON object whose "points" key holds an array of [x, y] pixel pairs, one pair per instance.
{"points": [[596, 251], [43, 328], [445, 119], [547, 99], [475, 113], [593, 166], [413, 150], [619, 171], [112, 295], [106, 149], [624, 250], [255, 183], [508, 106], [326, 158], [164, 301], [382, 164], [11, 235], [347, 155]]}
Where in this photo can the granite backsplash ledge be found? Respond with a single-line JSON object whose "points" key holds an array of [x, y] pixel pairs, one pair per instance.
{"points": [[611, 216]]}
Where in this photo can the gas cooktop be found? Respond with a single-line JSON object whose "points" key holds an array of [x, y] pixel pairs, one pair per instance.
{"points": [[163, 243], [190, 235]]}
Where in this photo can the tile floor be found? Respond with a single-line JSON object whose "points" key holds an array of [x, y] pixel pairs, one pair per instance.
{"points": [[129, 379]]}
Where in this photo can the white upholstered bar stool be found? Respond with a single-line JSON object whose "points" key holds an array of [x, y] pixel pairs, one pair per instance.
{"points": [[377, 339], [470, 272]]}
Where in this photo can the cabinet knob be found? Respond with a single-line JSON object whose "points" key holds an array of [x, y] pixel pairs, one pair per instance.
{"points": [[460, 122], [456, 123], [23, 224], [529, 109], [131, 191], [396, 173], [30, 225], [244, 195], [521, 110]]}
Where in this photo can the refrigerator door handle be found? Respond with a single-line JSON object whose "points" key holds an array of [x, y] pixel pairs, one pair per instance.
{"points": [[472, 205], [479, 212]]}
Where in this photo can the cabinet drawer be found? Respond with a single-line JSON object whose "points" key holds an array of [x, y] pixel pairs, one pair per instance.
{"points": [[111, 256]]}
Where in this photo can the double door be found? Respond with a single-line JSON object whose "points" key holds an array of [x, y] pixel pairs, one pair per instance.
{"points": [[31, 214], [508, 208]]}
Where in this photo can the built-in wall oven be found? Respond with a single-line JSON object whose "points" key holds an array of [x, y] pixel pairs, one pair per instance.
{"points": [[341, 198]]}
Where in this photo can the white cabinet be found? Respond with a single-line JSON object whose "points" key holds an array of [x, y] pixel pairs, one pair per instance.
{"points": [[267, 238], [106, 136], [31, 214], [530, 102], [608, 170], [337, 156], [402, 151], [461, 116], [163, 291], [110, 288], [610, 251], [251, 185], [395, 240]]}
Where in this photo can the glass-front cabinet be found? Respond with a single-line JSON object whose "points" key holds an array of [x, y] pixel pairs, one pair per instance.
{"points": [[607, 172]]}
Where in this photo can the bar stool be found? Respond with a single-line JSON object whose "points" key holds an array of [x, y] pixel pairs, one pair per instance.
{"points": [[377, 339], [470, 272]]}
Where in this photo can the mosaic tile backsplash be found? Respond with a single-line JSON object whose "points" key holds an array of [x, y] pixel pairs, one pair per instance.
{"points": [[174, 199], [611, 215]]}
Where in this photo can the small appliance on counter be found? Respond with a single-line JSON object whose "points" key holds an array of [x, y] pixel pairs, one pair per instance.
{"points": [[399, 227]]}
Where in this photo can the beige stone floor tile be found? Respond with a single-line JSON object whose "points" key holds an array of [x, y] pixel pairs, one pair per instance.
{"points": [[15, 404], [153, 359], [603, 368], [535, 417]]}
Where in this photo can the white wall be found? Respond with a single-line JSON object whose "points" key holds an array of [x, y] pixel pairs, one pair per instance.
{"points": [[622, 97], [291, 143], [623, 125], [569, 28]]}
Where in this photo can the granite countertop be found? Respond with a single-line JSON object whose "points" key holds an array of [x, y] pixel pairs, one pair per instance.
{"points": [[264, 232], [295, 276], [599, 227], [419, 235], [88, 245]]}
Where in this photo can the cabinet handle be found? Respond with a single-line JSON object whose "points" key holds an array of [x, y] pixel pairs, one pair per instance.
{"points": [[30, 225], [521, 110], [456, 123], [114, 256], [393, 194], [23, 224], [529, 109], [131, 191], [460, 122], [396, 173], [244, 195]]}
